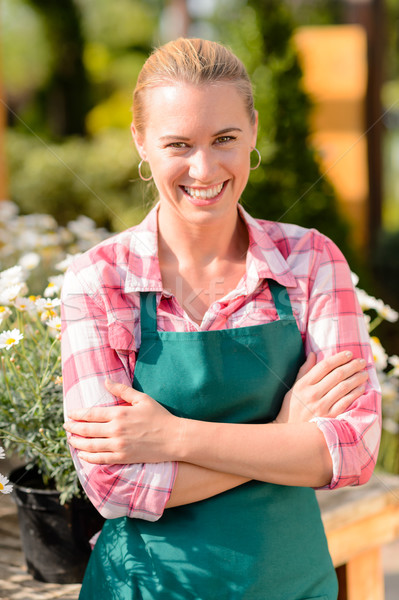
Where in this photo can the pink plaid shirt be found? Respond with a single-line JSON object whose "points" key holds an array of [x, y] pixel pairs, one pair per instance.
{"points": [[101, 337]]}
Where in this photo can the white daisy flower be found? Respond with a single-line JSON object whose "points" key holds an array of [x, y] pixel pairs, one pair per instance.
{"points": [[379, 354], [366, 302], [81, 226], [40, 222], [2, 452], [355, 278], [47, 240], [24, 304], [5, 486], [5, 312], [10, 338], [46, 306], [30, 260], [390, 426], [386, 312], [54, 286], [394, 361], [8, 210], [10, 294], [47, 303], [389, 391], [64, 264], [12, 276], [367, 320], [54, 323]]}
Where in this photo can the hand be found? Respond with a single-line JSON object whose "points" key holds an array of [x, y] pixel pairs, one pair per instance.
{"points": [[325, 389], [141, 432]]}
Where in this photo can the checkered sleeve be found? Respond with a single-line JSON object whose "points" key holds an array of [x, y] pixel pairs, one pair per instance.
{"points": [[336, 323], [133, 490]]}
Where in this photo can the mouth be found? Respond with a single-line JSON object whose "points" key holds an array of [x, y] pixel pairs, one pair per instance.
{"points": [[204, 195]]}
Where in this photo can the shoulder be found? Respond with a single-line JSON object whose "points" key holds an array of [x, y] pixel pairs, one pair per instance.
{"points": [[105, 264], [290, 238]]}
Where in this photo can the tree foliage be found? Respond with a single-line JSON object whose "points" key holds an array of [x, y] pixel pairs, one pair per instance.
{"points": [[289, 185]]}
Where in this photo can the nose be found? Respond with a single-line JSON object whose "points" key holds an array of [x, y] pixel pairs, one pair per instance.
{"points": [[203, 165]]}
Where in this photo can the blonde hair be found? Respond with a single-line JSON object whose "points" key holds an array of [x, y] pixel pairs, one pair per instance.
{"points": [[193, 61]]}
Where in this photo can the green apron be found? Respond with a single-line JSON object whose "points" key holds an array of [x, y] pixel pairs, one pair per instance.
{"points": [[258, 541]]}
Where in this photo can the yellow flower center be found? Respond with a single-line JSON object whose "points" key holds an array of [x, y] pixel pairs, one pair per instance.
{"points": [[2, 309], [10, 341], [1, 486]]}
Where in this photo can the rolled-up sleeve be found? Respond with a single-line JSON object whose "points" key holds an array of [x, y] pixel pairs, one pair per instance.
{"points": [[336, 323], [88, 357]]}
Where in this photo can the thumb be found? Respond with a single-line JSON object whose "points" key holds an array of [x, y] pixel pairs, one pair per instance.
{"points": [[121, 390], [307, 365]]}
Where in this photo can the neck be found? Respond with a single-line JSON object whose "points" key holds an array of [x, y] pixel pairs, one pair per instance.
{"points": [[199, 243]]}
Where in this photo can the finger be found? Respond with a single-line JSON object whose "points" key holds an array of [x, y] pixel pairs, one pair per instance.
{"points": [[98, 414], [122, 390], [344, 404], [85, 429], [343, 388], [337, 378], [90, 444], [327, 365], [100, 458], [307, 365]]}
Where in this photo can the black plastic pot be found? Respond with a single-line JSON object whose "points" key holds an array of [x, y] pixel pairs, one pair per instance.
{"points": [[55, 537]]}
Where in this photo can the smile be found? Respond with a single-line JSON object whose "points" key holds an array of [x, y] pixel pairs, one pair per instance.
{"points": [[204, 193]]}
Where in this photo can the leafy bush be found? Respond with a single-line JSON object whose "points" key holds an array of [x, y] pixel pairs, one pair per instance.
{"points": [[96, 177]]}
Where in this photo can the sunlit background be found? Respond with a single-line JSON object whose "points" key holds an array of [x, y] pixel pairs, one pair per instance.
{"points": [[326, 80], [326, 76]]}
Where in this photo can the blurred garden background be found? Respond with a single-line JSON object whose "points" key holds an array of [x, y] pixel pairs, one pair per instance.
{"points": [[326, 77]]}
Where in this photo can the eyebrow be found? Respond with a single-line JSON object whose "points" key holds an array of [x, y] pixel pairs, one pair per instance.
{"points": [[185, 139]]}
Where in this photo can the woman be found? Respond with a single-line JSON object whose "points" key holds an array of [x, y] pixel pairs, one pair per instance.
{"points": [[205, 467]]}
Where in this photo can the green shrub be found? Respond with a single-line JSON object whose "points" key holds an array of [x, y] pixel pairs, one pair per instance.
{"points": [[96, 177]]}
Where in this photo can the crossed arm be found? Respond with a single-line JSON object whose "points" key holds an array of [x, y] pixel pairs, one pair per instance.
{"points": [[214, 457]]}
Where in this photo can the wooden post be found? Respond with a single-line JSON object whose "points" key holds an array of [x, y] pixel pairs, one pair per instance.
{"points": [[370, 14]]}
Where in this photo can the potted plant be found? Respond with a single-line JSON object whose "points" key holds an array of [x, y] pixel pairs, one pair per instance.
{"points": [[46, 489]]}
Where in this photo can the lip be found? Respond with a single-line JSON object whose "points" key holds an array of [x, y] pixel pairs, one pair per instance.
{"points": [[204, 201]]}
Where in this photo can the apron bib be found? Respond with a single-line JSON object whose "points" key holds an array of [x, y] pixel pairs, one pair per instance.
{"points": [[258, 541]]}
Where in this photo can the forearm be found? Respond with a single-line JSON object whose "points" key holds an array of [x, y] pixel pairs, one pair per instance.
{"points": [[285, 454], [194, 483]]}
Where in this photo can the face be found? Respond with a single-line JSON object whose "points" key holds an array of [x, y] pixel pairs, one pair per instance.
{"points": [[198, 141]]}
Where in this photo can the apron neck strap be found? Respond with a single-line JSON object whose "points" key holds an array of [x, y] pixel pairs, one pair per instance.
{"points": [[281, 300], [148, 306], [148, 312]]}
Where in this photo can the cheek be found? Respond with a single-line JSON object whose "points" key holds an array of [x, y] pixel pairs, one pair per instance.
{"points": [[167, 173]]}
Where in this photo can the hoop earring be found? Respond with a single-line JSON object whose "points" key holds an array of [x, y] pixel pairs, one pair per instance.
{"points": [[140, 173], [259, 159]]}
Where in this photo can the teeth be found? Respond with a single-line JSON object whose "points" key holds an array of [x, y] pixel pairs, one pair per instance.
{"points": [[208, 193]]}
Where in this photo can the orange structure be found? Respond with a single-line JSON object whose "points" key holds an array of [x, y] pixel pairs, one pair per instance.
{"points": [[334, 61]]}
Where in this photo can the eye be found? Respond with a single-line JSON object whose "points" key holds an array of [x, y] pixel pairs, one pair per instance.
{"points": [[224, 139], [177, 145]]}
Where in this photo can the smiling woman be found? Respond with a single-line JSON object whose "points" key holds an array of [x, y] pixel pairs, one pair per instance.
{"points": [[198, 143], [216, 367]]}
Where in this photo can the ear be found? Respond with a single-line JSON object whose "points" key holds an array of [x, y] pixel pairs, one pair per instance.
{"points": [[139, 142], [255, 129]]}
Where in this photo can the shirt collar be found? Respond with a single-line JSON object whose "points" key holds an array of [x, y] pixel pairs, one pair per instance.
{"points": [[264, 260]]}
